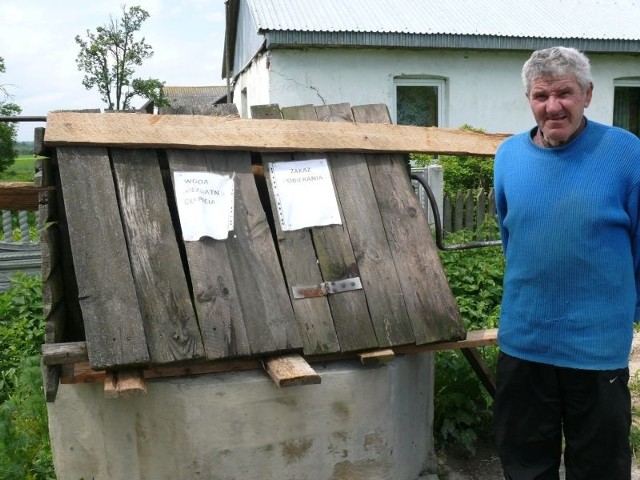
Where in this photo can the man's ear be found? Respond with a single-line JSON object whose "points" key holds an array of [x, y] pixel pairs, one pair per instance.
{"points": [[588, 95]]}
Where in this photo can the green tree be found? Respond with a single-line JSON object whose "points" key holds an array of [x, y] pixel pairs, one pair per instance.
{"points": [[8, 130], [109, 56]]}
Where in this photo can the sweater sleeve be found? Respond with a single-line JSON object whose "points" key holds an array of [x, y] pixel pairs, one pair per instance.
{"points": [[500, 199], [634, 203]]}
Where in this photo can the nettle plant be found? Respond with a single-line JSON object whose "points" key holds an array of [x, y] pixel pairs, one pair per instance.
{"points": [[463, 407]]}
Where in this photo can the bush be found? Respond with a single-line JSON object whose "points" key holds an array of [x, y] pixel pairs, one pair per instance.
{"points": [[463, 407], [21, 327], [25, 451]]}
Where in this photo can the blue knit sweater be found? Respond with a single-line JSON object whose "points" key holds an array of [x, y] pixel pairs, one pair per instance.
{"points": [[570, 230]]}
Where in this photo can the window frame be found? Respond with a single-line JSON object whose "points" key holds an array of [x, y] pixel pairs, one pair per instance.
{"points": [[631, 82], [431, 81]]}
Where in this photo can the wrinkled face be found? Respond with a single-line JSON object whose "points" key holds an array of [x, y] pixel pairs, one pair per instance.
{"points": [[558, 107]]}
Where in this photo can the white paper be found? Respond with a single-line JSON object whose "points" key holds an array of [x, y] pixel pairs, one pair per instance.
{"points": [[304, 194], [205, 204]]}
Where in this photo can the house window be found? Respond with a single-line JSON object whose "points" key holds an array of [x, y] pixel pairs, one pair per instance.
{"points": [[419, 102], [626, 105]]}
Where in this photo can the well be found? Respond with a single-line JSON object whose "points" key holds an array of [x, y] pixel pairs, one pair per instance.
{"points": [[169, 358]]}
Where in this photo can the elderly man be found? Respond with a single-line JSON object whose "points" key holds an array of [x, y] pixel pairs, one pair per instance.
{"points": [[568, 198]]}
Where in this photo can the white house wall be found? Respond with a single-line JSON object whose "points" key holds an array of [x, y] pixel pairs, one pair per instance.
{"points": [[483, 88]]}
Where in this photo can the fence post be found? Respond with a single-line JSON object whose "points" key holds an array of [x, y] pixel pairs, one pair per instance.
{"points": [[434, 176]]}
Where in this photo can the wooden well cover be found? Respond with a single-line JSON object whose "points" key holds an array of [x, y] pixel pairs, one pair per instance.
{"points": [[147, 297]]}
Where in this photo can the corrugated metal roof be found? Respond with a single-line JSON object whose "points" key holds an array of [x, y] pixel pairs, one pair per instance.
{"points": [[558, 19], [194, 96]]}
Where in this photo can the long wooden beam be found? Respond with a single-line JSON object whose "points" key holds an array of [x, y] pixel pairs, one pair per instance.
{"points": [[76, 369], [232, 133], [19, 196]]}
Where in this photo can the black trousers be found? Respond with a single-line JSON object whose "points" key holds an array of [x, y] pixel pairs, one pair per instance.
{"points": [[536, 405]]}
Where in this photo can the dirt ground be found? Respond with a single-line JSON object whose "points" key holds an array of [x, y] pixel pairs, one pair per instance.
{"points": [[456, 464]]}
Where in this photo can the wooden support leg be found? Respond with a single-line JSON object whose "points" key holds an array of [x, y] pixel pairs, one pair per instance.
{"points": [[482, 370]]}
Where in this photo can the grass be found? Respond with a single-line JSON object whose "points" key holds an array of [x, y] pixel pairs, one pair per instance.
{"points": [[21, 171]]}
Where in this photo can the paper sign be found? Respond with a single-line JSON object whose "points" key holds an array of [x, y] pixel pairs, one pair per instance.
{"points": [[304, 194], [205, 204]]}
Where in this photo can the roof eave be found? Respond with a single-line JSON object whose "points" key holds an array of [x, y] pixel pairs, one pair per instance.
{"points": [[302, 39]]}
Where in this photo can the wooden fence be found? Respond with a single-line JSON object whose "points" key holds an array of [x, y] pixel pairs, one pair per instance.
{"points": [[467, 210], [18, 253]]}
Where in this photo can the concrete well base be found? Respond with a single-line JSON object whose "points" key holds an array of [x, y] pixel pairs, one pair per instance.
{"points": [[360, 423]]}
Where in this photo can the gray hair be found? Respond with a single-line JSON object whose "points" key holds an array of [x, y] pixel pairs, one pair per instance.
{"points": [[557, 62]]}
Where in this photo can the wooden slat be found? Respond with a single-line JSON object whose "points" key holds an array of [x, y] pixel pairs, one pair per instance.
{"points": [[168, 316], [290, 370], [270, 111], [473, 339], [64, 353], [71, 324], [260, 288], [301, 268], [228, 133], [377, 356], [51, 381], [53, 307], [81, 371], [112, 320], [259, 278], [124, 384], [215, 295], [337, 261], [368, 240], [481, 368], [430, 304], [18, 196]]}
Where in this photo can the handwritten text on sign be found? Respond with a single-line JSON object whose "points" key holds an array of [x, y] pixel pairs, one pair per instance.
{"points": [[304, 194], [205, 204]]}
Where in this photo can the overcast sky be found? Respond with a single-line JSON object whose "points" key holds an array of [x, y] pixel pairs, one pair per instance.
{"points": [[37, 42]]}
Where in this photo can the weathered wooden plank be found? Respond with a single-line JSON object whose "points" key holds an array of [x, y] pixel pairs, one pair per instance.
{"points": [[263, 112], [53, 307], [214, 290], [301, 268], [81, 371], [229, 133], [51, 381], [223, 109], [430, 304], [71, 324], [18, 196], [473, 339], [299, 112], [124, 384], [372, 252], [300, 264], [337, 261], [266, 307], [481, 369], [369, 243], [259, 284], [377, 356], [290, 370], [106, 291], [64, 352], [168, 316]]}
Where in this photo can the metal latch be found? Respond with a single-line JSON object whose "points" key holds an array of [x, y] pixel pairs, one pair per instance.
{"points": [[326, 288]]}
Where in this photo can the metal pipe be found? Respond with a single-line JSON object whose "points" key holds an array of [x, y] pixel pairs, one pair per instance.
{"points": [[23, 118], [438, 225]]}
